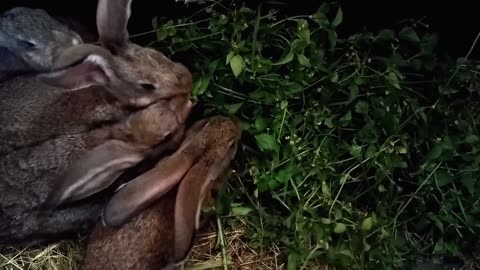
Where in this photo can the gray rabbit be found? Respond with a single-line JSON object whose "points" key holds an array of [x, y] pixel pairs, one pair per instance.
{"points": [[71, 132], [29, 41]]}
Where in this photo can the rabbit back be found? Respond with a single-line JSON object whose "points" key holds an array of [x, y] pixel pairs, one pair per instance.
{"points": [[27, 176], [152, 228], [31, 111]]}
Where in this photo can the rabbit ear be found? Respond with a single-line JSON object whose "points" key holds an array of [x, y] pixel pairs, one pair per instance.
{"points": [[191, 193], [93, 172], [79, 67], [146, 188], [112, 20]]}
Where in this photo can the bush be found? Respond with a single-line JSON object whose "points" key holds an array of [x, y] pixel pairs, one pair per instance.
{"points": [[358, 150]]}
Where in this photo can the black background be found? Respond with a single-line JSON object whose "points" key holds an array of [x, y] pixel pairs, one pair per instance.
{"points": [[457, 22]]}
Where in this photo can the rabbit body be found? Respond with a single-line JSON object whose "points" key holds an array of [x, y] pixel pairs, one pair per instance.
{"points": [[71, 132], [162, 234], [26, 180], [29, 116], [30, 175]]}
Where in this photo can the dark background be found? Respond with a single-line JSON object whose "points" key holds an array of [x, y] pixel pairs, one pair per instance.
{"points": [[457, 22]]}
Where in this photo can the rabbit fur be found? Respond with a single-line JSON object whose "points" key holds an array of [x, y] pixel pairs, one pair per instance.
{"points": [[29, 41], [88, 86], [54, 140], [162, 234], [67, 169]]}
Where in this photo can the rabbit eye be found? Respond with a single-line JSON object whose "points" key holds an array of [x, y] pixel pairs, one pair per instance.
{"points": [[148, 86]]}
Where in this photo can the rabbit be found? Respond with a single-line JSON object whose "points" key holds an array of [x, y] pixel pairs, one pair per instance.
{"points": [[29, 41], [88, 85], [152, 220], [37, 179], [54, 126]]}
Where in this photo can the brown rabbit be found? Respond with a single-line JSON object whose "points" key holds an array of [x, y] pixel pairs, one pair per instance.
{"points": [[104, 83], [37, 179], [161, 236], [52, 137], [116, 147]]}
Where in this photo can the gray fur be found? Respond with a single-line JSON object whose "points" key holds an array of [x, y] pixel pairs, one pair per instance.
{"points": [[26, 180], [33, 36]]}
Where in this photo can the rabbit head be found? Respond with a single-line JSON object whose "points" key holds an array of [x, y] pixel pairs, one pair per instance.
{"points": [[120, 146], [171, 195], [136, 75], [34, 36]]}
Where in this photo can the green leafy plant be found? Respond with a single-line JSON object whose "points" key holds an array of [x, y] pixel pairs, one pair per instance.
{"points": [[358, 151]]}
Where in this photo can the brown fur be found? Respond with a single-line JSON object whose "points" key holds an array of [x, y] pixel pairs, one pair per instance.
{"points": [[143, 243], [52, 122], [154, 238]]}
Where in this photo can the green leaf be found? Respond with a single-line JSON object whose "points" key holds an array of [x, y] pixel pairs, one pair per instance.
{"points": [[386, 35], [304, 31], [338, 18], [325, 221], [356, 150], [354, 90], [367, 224], [439, 224], [266, 142], [299, 45], [471, 139], [334, 77], [371, 150], [325, 189], [435, 153], [293, 261], [346, 119], [409, 34], [286, 173], [366, 245], [361, 107], [329, 122], [241, 211], [338, 213], [260, 123], [237, 64], [233, 108], [393, 79], [332, 37], [201, 85], [304, 61], [396, 161], [469, 183], [443, 178], [246, 10], [339, 228], [287, 59], [229, 57]]}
